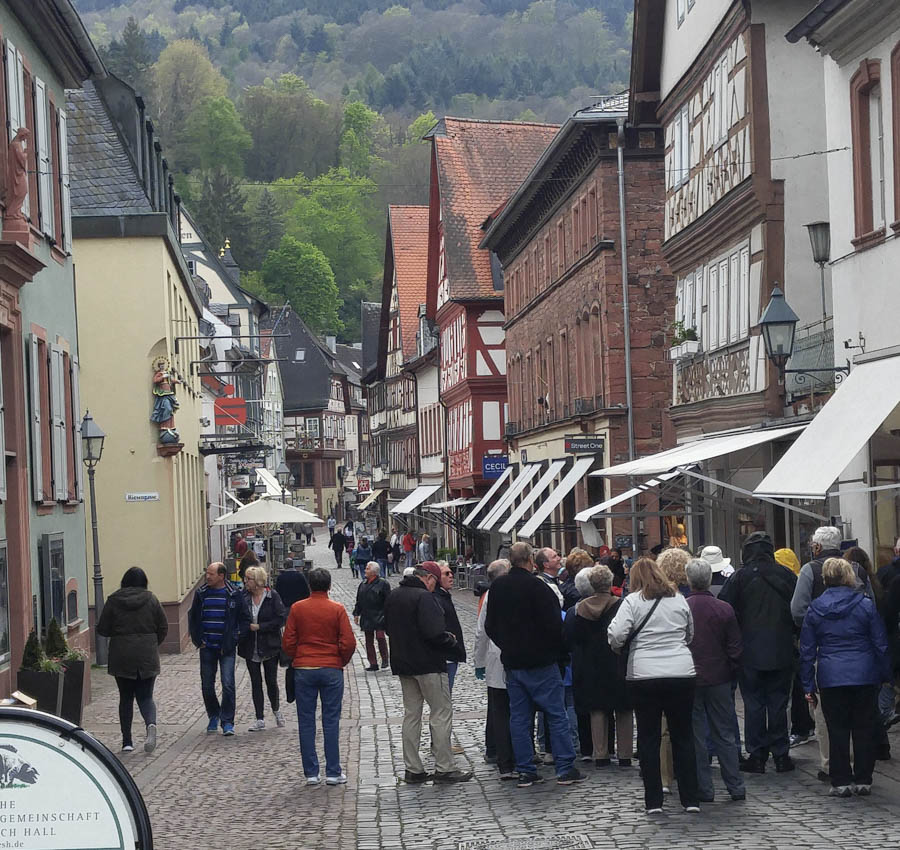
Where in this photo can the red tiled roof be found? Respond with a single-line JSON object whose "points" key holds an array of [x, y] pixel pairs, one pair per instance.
{"points": [[480, 164], [409, 243]]}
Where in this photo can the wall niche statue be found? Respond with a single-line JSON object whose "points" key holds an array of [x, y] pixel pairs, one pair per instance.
{"points": [[16, 182], [165, 404]]}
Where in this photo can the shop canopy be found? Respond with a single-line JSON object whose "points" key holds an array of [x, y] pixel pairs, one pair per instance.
{"points": [[506, 500], [267, 511], [369, 499], [696, 451], [572, 477], [453, 503], [533, 495], [414, 499], [589, 513], [273, 488], [485, 499], [839, 432]]}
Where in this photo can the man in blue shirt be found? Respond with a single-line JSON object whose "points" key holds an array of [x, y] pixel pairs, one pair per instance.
{"points": [[214, 625]]}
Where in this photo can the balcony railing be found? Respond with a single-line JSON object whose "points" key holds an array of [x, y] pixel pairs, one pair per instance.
{"points": [[512, 428]]}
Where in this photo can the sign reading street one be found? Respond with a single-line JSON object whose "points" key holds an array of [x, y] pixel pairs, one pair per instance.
{"points": [[582, 445], [60, 789]]}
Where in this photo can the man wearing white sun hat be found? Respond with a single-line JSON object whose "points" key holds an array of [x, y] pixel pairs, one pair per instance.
{"points": [[720, 566]]}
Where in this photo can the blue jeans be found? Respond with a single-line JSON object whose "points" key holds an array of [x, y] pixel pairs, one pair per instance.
{"points": [[539, 688], [309, 685], [452, 667], [714, 716], [382, 562], [572, 717], [887, 701], [210, 662]]}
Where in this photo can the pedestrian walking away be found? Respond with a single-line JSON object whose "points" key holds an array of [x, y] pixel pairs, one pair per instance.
{"points": [[843, 661], [716, 648], [360, 556], [523, 619], [319, 640], [408, 542], [260, 643], [338, 543], [420, 645], [655, 625], [308, 531], [214, 625], [381, 552], [368, 614], [135, 623]]}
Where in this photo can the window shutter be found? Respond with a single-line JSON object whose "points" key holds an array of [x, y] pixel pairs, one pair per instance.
{"points": [[34, 369], [736, 298], [723, 302], [64, 183], [745, 292], [14, 120], [76, 428], [58, 423], [45, 166], [713, 310], [2, 442]]}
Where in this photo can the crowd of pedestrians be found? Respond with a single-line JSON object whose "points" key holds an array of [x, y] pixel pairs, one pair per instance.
{"points": [[577, 654]]}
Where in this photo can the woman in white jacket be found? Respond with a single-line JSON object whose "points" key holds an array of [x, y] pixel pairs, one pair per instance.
{"points": [[655, 624], [489, 667]]}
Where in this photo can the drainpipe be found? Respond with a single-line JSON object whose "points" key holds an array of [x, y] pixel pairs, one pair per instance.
{"points": [[626, 329]]}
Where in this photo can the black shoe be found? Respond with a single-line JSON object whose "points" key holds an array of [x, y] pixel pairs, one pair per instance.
{"points": [[602, 762], [624, 762], [526, 780], [452, 776], [883, 754], [372, 669], [571, 777], [752, 765], [784, 764], [738, 798], [411, 778], [822, 776]]}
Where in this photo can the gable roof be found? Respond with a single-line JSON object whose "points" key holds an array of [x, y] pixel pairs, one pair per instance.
{"points": [[479, 165], [103, 177], [371, 322], [408, 244]]}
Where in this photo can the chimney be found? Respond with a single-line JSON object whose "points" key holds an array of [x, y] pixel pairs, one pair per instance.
{"points": [[331, 342]]}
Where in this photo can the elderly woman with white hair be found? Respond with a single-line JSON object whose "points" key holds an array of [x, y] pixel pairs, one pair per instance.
{"points": [[598, 674]]}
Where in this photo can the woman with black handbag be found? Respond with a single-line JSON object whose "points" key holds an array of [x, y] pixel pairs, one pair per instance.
{"points": [[654, 626]]}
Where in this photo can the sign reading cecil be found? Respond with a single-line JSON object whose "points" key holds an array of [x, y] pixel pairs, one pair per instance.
{"points": [[584, 445], [60, 789], [492, 466]]}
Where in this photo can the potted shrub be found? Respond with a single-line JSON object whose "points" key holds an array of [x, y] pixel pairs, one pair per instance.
{"points": [[684, 341], [40, 677], [72, 662]]}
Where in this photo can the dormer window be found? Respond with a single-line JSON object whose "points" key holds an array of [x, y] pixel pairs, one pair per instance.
{"points": [[300, 355]]}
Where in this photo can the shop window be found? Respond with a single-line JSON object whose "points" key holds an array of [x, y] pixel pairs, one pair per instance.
{"points": [[4, 605], [52, 570], [866, 125]]}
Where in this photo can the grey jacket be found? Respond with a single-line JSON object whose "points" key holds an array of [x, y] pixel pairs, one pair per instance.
{"points": [[803, 592]]}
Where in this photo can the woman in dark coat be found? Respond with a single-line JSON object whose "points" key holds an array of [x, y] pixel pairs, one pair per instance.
{"points": [[260, 642], [136, 625], [598, 675], [368, 614]]}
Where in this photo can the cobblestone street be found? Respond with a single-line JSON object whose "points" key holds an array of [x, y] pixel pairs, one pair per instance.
{"points": [[247, 792]]}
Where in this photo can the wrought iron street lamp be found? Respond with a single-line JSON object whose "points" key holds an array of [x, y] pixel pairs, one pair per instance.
{"points": [[92, 449], [820, 242], [283, 474], [778, 324]]}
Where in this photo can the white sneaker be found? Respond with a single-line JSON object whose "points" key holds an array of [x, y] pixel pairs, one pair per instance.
{"points": [[127, 748], [654, 811], [336, 780], [150, 743], [258, 726], [666, 789], [312, 780], [279, 719], [862, 790]]}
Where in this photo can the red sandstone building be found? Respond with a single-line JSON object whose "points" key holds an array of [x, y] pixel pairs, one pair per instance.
{"points": [[557, 240]]}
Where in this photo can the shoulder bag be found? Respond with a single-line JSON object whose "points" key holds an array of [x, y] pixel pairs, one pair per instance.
{"points": [[636, 631]]}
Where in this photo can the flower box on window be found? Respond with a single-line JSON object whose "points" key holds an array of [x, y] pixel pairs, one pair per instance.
{"points": [[685, 348]]}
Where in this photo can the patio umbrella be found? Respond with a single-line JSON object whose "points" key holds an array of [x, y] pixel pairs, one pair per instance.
{"points": [[267, 511]]}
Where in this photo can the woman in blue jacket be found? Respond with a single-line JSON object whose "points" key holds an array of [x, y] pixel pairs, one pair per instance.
{"points": [[843, 651]]}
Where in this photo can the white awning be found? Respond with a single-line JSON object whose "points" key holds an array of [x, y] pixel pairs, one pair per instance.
{"points": [[692, 453], [273, 488], [506, 500], [533, 495], [453, 503], [839, 432], [573, 476], [369, 499], [603, 507], [234, 499], [488, 496], [414, 499]]}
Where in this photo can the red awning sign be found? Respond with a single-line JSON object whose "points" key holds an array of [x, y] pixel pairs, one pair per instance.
{"points": [[231, 411]]}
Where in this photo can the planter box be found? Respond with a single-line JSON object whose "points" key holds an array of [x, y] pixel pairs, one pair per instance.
{"points": [[73, 692], [46, 688], [686, 348]]}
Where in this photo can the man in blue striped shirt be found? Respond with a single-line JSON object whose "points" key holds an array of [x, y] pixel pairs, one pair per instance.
{"points": [[214, 622]]}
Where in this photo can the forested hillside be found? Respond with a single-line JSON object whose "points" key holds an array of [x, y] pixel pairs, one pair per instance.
{"points": [[291, 124]]}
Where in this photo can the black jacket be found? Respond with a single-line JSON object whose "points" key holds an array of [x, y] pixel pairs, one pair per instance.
{"points": [[571, 596], [523, 620], [452, 621], [291, 586], [267, 639], [380, 549], [234, 609], [136, 625], [338, 542], [414, 619], [760, 593], [371, 597]]}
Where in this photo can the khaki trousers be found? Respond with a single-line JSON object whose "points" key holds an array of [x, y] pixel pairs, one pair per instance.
{"points": [[624, 734], [434, 689], [822, 735]]}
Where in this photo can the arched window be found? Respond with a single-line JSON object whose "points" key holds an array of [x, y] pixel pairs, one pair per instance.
{"points": [[867, 127]]}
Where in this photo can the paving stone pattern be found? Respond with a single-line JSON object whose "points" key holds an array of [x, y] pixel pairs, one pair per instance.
{"points": [[247, 792]]}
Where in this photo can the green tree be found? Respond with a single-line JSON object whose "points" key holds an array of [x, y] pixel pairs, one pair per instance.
{"points": [[422, 125], [184, 77], [215, 137], [301, 273], [130, 58], [220, 209], [264, 232], [362, 135]]}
